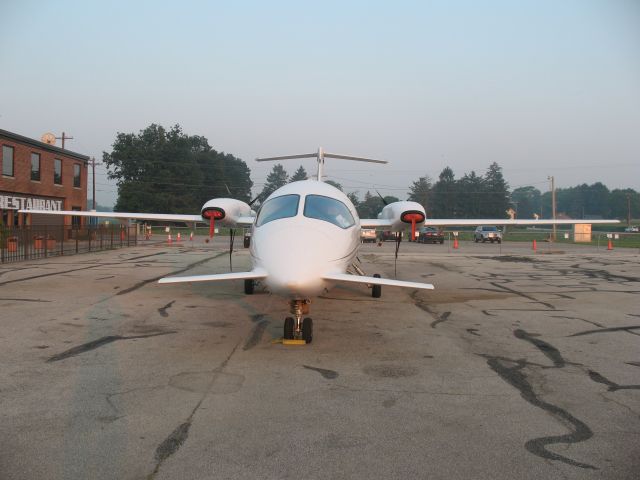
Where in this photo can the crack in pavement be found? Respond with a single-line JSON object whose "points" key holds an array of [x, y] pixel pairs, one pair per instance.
{"points": [[179, 435], [256, 335], [92, 345], [155, 279], [328, 374], [549, 351], [537, 446], [163, 310], [607, 330], [612, 387]]}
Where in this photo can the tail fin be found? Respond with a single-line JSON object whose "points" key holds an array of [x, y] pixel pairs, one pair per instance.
{"points": [[320, 156]]}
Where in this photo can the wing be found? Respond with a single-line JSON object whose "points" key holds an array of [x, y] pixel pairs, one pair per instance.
{"points": [[345, 277], [124, 215], [169, 217], [217, 277], [383, 224], [440, 222], [375, 223]]}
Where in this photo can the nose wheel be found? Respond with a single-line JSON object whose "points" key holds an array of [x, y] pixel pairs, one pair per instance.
{"points": [[297, 328]]}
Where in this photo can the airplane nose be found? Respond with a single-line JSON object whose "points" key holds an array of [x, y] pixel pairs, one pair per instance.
{"points": [[295, 259]]}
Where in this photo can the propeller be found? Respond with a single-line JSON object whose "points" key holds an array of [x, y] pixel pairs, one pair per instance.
{"points": [[395, 262], [232, 236]]}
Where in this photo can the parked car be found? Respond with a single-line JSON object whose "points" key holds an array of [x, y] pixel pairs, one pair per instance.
{"points": [[368, 235], [487, 232], [430, 235], [632, 229], [386, 235]]}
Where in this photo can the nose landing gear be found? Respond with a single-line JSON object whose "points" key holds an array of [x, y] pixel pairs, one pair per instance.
{"points": [[296, 329]]}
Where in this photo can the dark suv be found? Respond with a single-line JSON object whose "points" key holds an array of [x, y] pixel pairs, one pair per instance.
{"points": [[484, 233], [430, 235]]}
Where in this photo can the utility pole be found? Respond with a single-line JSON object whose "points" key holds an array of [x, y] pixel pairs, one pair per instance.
{"points": [[553, 205], [93, 168], [63, 138], [628, 209]]}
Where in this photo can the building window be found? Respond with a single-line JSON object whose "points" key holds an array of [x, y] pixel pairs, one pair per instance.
{"points": [[75, 220], [35, 167], [57, 171], [76, 175], [7, 161]]}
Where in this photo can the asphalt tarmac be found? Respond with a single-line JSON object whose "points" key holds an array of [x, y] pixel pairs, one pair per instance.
{"points": [[516, 366]]}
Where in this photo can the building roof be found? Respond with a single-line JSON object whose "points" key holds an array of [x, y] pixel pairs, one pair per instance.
{"points": [[42, 145]]}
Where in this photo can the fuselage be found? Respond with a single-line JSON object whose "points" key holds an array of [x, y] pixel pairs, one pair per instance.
{"points": [[303, 231]]}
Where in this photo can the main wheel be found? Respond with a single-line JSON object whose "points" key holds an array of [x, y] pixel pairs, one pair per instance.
{"points": [[248, 286], [376, 291], [288, 328], [307, 330], [476, 240]]}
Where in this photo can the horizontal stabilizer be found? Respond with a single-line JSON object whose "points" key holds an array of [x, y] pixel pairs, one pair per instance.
{"points": [[351, 157], [345, 277], [216, 277]]}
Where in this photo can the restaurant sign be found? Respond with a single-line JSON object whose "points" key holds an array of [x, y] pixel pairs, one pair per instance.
{"points": [[13, 202]]}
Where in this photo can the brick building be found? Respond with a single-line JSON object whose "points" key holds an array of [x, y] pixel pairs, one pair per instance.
{"points": [[40, 176]]}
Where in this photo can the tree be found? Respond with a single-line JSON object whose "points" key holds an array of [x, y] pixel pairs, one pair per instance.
{"points": [[159, 170], [353, 196], [497, 193], [276, 179], [444, 195], [300, 174], [470, 203], [420, 191], [526, 201], [370, 206]]}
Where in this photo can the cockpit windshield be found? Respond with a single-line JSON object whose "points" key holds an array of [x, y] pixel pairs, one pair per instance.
{"points": [[279, 207], [328, 209]]}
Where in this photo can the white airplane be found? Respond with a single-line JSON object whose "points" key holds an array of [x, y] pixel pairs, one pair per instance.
{"points": [[305, 238]]}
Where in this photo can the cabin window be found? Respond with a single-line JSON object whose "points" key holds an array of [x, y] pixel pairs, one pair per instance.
{"points": [[279, 207], [328, 209]]}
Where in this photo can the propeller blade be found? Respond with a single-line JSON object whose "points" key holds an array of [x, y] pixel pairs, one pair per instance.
{"points": [[232, 235], [395, 262], [382, 198]]}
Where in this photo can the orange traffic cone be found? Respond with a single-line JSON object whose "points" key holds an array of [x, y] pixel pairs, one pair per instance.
{"points": [[534, 246], [610, 245], [169, 240], [455, 243], [191, 236], [178, 238]]}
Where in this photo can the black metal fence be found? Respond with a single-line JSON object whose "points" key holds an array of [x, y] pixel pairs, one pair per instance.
{"points": [[42, 241]]}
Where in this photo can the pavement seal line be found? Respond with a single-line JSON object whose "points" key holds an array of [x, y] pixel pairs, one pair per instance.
{"points": [[607, 330], [156, 278], [580, 432], [179, 435], [92, 345]]}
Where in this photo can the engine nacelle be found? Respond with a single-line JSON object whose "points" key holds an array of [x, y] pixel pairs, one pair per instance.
{"points": [[227, 211], [403, 214]]}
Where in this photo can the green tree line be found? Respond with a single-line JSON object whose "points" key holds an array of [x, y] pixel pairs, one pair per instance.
{"points": [[160, 170]]}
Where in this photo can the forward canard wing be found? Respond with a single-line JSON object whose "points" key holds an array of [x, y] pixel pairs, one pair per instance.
{"points": [[216, 277], [345, 277]]}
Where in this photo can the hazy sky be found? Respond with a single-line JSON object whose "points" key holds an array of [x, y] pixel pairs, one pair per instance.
{"points": [[543, 87]]}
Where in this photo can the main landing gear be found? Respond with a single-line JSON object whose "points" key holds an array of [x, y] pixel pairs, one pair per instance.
{"points": [[297, 328]]}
